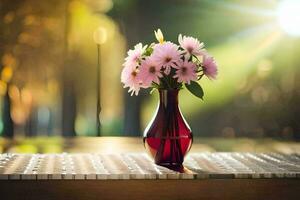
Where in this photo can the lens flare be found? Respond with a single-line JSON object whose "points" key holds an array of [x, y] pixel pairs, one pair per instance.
{"points": [[289, 17]]}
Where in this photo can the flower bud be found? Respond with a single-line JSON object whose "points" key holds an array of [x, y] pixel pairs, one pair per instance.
{"points": [[159, 36]]}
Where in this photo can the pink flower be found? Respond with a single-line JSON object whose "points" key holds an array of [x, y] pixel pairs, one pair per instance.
{"points": [[166, 55], [210, 68], [191, 45], [134, 55], [186, 72], [149, 72], [130, 78]]}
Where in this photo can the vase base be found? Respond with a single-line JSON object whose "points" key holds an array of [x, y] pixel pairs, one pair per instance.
{"points": [[169, 164], [175, 166], [168, 151]]}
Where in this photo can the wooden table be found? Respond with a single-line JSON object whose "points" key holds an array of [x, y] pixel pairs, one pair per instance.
{"points": [[134, 176]]}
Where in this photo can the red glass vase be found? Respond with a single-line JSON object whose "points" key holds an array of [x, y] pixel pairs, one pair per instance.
{"points": [[168, 137]]}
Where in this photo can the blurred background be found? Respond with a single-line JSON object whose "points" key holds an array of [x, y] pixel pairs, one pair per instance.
{"points": [[48, 63]]}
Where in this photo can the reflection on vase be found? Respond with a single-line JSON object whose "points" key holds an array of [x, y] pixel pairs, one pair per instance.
{"points": [[168, 137]]}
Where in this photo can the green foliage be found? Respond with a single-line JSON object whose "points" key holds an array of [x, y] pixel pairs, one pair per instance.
{"points": [[148, 51], [152, 90], [195, 89]]}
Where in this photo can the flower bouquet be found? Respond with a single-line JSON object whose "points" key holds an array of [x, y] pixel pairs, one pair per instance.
{"points": [[168, 67]]}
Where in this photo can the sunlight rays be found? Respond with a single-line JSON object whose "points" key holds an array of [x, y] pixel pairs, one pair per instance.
{"points": [[237, 60], [238, 56], [246, 9]]}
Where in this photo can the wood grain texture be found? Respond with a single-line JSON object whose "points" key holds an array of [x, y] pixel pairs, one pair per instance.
{"points": [[213, 189]]}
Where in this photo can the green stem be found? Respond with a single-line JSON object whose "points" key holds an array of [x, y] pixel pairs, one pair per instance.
{"points": [[167, 82], [200, 76]]}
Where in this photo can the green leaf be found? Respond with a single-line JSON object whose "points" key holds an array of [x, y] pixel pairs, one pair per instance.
{"points": [[148, 51], [152, 90], [195, 89]]}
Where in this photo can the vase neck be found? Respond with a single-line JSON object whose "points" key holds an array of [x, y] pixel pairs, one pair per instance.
{"points": [[168, 97]]}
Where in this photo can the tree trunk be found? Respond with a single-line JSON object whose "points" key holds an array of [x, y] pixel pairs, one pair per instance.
{"points": [[8, 128], [68, 90]]}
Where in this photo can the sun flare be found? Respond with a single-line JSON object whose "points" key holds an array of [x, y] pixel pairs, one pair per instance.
{"points": [[288, 16]]}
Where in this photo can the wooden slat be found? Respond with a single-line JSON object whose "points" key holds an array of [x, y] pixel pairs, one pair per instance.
{"points": [[140, 166], [213, 176]]}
